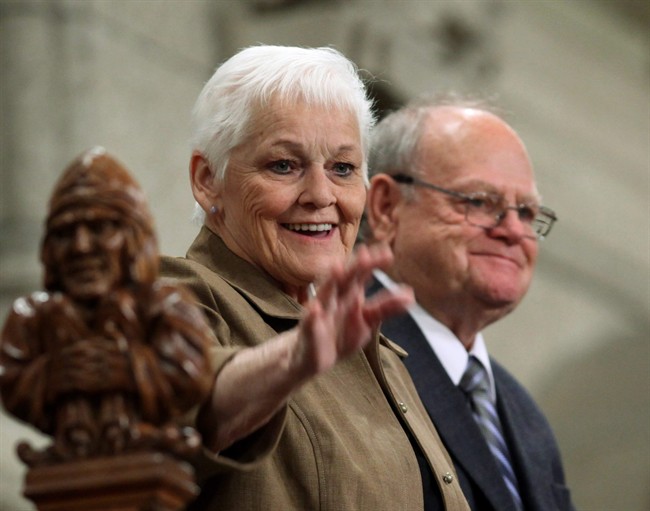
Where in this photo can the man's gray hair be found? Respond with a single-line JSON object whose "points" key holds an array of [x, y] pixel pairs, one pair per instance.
{"points": [[394, 141]]}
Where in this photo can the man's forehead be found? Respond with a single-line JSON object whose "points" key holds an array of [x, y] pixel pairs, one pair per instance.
{"points": [[477, 150], [525, 191]]}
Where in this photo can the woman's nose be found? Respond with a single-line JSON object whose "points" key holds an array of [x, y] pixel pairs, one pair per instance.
{"points": [[318, 189]]}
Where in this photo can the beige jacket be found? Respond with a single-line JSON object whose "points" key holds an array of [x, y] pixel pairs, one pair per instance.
{"points": [[341, 442]]}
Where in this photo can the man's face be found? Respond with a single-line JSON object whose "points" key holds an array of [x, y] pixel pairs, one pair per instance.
{"points": [[457, 268], [86, 246]]}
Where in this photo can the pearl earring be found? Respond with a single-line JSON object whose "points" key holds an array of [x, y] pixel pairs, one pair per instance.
{"points": [[213, 210]]}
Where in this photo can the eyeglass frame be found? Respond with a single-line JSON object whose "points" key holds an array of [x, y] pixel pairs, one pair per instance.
{"points": [[548, 213]]}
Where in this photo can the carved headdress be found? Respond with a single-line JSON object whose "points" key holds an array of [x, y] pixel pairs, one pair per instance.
{"points": [[99, 185]]}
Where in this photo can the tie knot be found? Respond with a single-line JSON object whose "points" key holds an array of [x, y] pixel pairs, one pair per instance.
{"points": [[475, 377]]}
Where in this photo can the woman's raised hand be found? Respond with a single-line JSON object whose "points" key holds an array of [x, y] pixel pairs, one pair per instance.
{"points": [[337, 322], [340, 320]]}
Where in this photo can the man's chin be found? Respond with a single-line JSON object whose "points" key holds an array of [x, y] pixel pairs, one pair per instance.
{"points": [[500, 302], [500, 289]]}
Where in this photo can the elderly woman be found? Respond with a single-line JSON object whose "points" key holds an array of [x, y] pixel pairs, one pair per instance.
{"points": [[310, 408]]}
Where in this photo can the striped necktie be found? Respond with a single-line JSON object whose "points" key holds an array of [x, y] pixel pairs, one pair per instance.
{"points": [[477, 387]]}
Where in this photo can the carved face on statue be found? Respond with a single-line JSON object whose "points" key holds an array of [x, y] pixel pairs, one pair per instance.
{"points": [[87, 245], [99, 235]]}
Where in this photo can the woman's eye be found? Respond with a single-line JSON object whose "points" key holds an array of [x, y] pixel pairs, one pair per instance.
{"points": [[281, 166], [343, 169]]}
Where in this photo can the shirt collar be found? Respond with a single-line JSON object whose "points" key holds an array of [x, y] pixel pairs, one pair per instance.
{"points": [[450, 351]]}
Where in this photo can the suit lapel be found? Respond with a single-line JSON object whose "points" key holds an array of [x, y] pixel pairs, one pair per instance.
{"points": [[528, 456], [449, 412]]}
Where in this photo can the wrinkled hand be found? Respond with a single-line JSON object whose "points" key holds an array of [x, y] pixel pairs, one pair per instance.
{"points": [[340, 320], [90, 366]]}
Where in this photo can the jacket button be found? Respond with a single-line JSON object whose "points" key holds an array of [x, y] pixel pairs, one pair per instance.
{"points": [[403, 407], [448, 478]]}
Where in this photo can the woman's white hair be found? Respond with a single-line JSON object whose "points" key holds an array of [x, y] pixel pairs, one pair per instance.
{"points": [[256, 75]]}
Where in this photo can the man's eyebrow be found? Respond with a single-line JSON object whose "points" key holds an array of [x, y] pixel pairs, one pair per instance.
{"points": [[478, 185]]}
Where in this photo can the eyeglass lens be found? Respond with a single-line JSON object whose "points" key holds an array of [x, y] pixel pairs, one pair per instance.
{"points": [[490, 212]]}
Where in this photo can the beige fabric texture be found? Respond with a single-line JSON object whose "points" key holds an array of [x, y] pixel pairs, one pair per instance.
{"points": [[340, 443]]}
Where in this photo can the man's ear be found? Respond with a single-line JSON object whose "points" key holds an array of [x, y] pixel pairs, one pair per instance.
{"points": [[204, 188], [384, 197]]}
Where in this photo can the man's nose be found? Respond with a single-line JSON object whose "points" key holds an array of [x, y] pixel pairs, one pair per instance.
{"points": [[510, 226]]}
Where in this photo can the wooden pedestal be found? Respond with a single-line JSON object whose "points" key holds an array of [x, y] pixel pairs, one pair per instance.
{"points": [[135, 482]]}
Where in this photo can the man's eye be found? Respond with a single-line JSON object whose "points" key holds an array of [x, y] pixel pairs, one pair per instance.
{"points": [[281, 166], [527, 213], [343, 169], [479, 202], [483, 202]]}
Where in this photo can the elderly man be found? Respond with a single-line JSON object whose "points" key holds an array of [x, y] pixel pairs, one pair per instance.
{"points": [[453, 194]]}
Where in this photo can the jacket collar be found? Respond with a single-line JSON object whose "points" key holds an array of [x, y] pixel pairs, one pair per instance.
{"points": [[257, 286]]}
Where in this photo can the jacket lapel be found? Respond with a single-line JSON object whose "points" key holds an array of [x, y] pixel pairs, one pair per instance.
{"points": [[530, 457], [209, 250], [449, 412]]}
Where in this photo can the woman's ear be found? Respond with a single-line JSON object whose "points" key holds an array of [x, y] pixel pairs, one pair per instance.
{"points": [[384, 197], [204, 188]]}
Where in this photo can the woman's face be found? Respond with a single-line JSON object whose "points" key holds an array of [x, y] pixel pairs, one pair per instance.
{"points": [[294, 193]]}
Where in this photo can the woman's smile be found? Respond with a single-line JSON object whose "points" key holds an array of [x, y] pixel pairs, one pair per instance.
{"points": [[294, 192]]}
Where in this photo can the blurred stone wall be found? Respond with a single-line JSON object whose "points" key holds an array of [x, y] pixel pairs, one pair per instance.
{"points": [[573, 75]]}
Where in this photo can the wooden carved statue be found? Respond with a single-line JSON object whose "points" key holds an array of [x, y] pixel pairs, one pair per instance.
{"points": [[106, 359]]}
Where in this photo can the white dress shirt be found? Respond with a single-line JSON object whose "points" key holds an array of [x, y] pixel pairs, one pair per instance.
{"points": [[447, 347]]}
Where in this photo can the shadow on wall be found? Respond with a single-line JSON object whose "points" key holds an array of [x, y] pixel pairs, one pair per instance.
{"points": [[607, 452]]}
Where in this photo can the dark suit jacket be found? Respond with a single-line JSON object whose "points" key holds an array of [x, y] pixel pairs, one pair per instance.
{"points": [[535, 454]]}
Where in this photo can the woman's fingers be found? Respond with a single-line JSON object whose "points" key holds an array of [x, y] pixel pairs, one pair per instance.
{"points": [[387, 303], [355, 273], [317, 329], [339, 319]]}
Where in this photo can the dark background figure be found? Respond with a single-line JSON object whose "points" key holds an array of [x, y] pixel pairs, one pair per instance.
{"points": [[454, 196], [107, 357]]}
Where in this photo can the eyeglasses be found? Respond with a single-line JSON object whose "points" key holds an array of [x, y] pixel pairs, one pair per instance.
{"points": [[488, 210]]}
